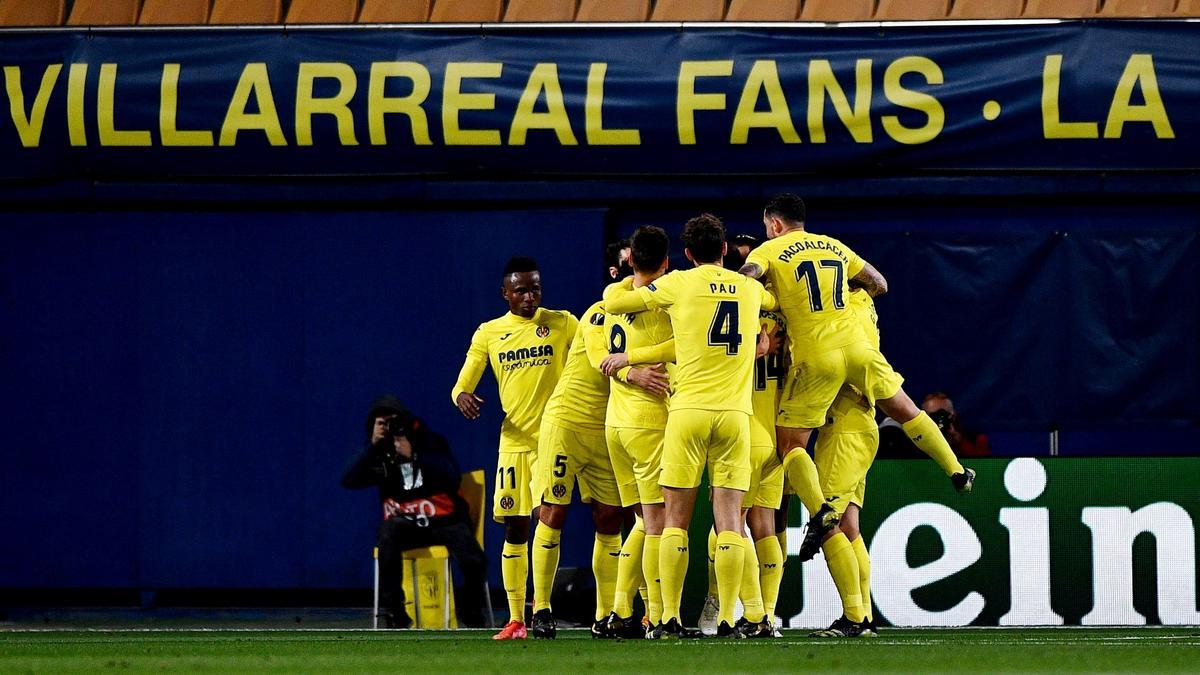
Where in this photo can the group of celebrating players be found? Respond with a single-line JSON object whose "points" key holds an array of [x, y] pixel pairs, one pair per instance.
{"points": [[672, 374]]}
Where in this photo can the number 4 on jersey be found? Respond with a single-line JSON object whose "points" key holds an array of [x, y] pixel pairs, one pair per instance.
{"points": [[724, 329]]}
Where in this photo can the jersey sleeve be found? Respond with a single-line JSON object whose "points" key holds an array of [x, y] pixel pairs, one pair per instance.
{"points": [[473, 367], [594, 342], [759, 257], [621, 300], [662, 293], [854, 263], [662, 352], [571, 326], [769, 301]]}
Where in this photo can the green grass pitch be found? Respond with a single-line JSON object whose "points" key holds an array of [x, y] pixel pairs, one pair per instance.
{"points": [[471, 652]]}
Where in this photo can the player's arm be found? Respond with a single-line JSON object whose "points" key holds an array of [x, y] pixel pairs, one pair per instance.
{"points": [[463, 393], [863, 274], [620, 300], [756, 265], [764, 344], [572, 327], [594, 342], [870, 280], [768, 300], [653, 379], [663, 352], [618, 364]]}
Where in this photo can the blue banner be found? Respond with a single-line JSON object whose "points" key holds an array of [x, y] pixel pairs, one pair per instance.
{"points": [[601, 101]]}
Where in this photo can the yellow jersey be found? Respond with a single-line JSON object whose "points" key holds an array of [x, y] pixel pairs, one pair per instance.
{"points": [[810, 275], [768, 376], [851, 411], [527, 356], [714, 315], [646, 337], [581, 395]]}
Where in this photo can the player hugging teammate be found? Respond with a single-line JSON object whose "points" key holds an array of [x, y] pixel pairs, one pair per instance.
{"points": [[597, 410]]}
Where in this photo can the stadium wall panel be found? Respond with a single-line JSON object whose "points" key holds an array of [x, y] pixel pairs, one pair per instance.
{"points": [[183, 390], [1053, 541]]}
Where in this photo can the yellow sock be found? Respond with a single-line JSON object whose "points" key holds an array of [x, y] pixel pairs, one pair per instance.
{"points": [[801, 475], [864, 575], [843, 567], [514, 569], [730, 561], [650, 570], [924, 434], [545, 564], [750, 591], [606, 555], [672, 568], [770, 575], [781, 535], [712, 572], [629, 570]]}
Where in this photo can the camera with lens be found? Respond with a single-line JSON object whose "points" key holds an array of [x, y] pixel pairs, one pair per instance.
{"points": [[400, 425], [943, 418]]}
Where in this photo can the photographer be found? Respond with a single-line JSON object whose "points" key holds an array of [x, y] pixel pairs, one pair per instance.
{"points": [[418, 480], [965, 441]]}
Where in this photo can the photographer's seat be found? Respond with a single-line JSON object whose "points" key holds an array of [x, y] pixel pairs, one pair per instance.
{"points": [[431, 604]]}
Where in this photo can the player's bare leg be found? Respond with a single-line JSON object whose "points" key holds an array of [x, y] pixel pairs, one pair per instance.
{"points": [[781, 522]]}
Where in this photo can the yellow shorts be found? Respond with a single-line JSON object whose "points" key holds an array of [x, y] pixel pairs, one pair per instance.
{"points": [[514, 473], [636, 456], [766, 478], [567, 456], [815, 380], [843, 460], [694, 438]]}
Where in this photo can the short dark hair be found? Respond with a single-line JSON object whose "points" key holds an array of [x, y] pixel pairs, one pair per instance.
{"points": [[704, 236], [745, 240], [787, 207], [612, 252], [650, 245], [520, 263]]}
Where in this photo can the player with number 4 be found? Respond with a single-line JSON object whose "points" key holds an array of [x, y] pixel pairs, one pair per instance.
{"points": [[714, 315]]}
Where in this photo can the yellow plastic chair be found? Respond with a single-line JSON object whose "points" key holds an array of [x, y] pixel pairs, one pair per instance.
{"points": [[430, 603]]}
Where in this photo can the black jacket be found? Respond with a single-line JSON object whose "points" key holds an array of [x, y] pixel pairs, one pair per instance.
{"points": [[432, 471]]}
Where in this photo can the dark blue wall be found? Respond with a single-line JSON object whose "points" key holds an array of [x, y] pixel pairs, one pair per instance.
{"points": [[1064, 315], [181, 390]]}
